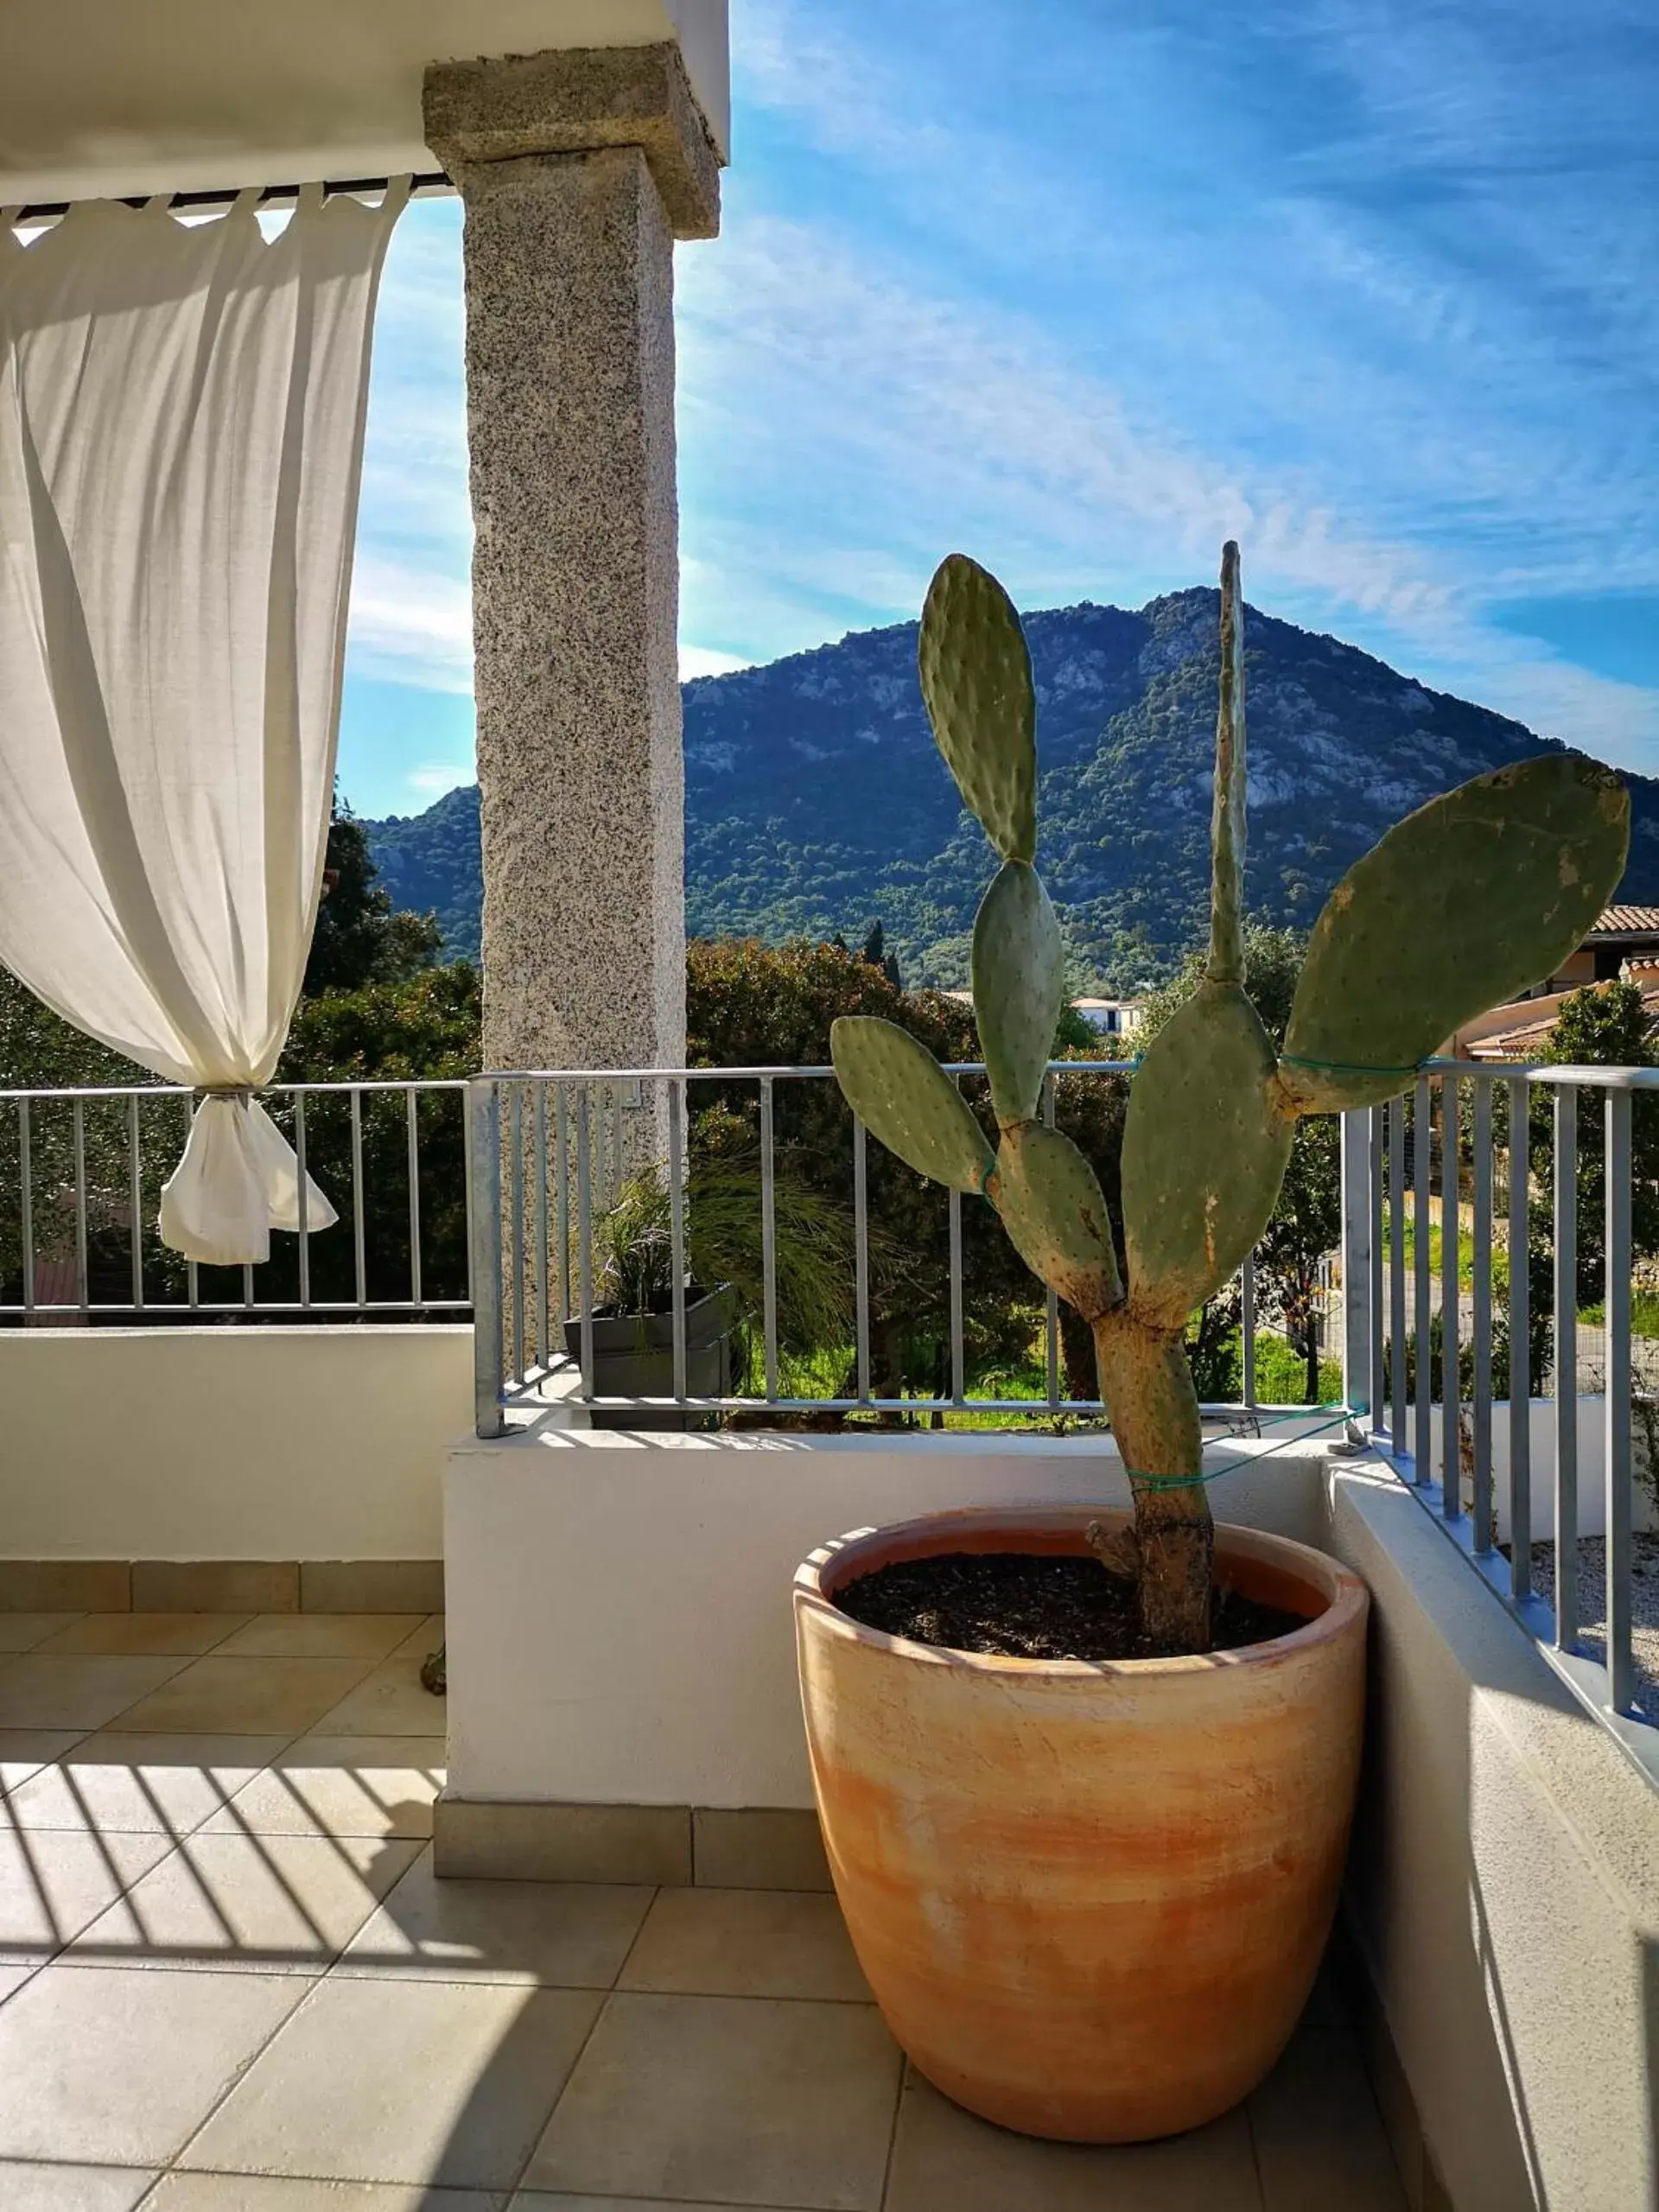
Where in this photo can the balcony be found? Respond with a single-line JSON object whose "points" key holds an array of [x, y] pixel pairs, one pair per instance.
{"points": [[614, 1973]]}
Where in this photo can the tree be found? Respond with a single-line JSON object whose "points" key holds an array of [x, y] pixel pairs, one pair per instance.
{"points": [[1606, 1025], [874, 950], [752, 1005], [360, 939]]}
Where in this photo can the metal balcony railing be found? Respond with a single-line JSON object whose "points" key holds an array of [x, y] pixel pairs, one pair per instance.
{"points": [[551, 1153], [1499, 1166], [80, 1176]]}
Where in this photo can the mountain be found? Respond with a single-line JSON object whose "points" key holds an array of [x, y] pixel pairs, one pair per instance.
{"points": [[815, 800]]}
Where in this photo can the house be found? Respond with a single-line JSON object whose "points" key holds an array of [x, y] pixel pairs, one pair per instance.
{"points": [[1624, 942], [1107, 1017], [1622, 936]]}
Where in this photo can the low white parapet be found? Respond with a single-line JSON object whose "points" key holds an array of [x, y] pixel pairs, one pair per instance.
{"points": [[620, 1630], [623, 1706], [307, 1443]]}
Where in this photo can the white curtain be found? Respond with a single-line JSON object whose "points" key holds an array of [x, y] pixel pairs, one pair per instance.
{"points": [[181, 413]]}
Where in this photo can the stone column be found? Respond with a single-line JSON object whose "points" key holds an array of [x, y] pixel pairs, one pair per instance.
{"points": [[578, 170]]}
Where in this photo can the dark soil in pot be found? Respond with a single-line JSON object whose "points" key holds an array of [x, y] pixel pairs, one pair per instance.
{"points": [[1032, 1606]]}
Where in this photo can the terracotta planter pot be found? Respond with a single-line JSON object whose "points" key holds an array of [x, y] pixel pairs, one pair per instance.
{"points": [[1091, 1899]]}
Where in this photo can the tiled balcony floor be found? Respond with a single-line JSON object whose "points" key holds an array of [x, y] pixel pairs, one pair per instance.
{"points": [[229, 1982]]}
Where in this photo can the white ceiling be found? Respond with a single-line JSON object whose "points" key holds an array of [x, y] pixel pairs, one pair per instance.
{"points": [[101, 98]]}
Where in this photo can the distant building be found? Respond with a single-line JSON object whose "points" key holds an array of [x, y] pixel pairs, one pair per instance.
{"points": [[1111, 1017], [1108, 1017], [1622, 935], [1624, 942]]}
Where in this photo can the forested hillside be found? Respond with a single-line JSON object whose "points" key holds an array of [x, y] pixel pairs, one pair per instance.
{"points": [[816, 802]]}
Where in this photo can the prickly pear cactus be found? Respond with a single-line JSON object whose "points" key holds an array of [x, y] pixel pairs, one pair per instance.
{"points": [[1475, 896]]}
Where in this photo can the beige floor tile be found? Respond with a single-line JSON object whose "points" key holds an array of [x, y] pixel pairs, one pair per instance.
{"points": [[162, 1785], [745, 1944], [50, 2186], [283, 1903], [268, 2193], [245, 1696], [389, 1702], [68, 1690], [159, 1636], [570, 1934], [752, 2100], [12, 1979], [23, 1631], [1319, 2135], [52, 1884], [321, 1636], [342, 1785], [401, 2080], [80, 2076], [944, 2160], [24, 1751], [424, 1639]]}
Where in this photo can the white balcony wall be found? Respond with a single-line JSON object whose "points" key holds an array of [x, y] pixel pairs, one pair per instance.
{"points": [[620, 1635], [1592, 1425], [216, 1443]]}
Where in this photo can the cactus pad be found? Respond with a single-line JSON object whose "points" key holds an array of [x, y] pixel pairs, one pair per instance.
{"points": [[1018, 982], [1477, 896], [976, 676], [1205, 1149], [1227, 818], [902, 1095], [1055, 1214]]}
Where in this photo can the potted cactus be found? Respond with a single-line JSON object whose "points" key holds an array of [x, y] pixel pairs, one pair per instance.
{"points": [[1090, 1892]]}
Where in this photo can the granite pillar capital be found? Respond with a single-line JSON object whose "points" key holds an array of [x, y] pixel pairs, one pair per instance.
{"points": [[581, 100]]}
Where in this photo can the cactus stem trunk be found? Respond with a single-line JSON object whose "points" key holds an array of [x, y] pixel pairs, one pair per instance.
{"points": [[1148, 1388]]}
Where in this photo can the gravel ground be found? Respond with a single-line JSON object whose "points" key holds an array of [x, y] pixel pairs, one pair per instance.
{"points": [[1593, 1606]]}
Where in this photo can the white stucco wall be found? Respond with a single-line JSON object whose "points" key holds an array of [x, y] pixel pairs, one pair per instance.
{"points": [[620, 1629], [98, 99], [228, 1443], [1504, 1884], [620, 1632], [1591, 1427]]}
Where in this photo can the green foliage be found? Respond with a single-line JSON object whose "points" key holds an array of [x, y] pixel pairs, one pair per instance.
{"points": [[874, 950], [814, 799], [1606, 1025], [359, 938], [427, 1028], [634, 1245], [1076, 1035], [749, 1005], [1273, 961]]}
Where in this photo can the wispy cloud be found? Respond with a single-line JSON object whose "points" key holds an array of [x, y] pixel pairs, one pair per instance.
{"points": [[704, 660], [1367, 290], [437, 778], [412, 625], [1371, 290]]}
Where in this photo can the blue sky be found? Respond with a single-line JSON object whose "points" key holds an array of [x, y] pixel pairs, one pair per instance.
{"points": [[1084, 286]]}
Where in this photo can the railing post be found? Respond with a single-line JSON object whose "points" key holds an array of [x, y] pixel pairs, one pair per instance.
{"points": [[1358, 1386], [484, 1122], [1621, 1672]]}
